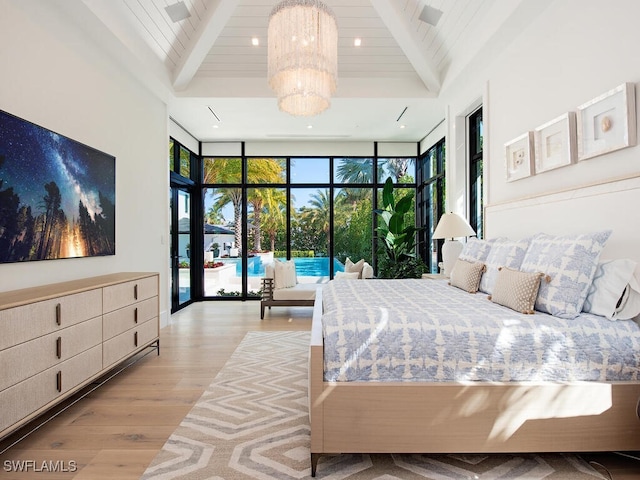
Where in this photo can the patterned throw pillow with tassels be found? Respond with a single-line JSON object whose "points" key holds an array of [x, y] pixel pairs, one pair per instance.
{"points": [[466, 275], [517, 290]]}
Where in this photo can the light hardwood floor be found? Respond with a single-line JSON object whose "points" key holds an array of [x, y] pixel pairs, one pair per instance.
{"points": [[117, 430]]}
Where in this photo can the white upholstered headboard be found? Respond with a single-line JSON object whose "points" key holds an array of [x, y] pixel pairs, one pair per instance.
{"points": [[613, 205]]}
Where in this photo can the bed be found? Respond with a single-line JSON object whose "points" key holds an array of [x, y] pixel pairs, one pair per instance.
{"points": [[581, 399]]}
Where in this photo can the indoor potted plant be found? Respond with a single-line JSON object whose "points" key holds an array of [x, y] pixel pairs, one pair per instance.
{"points": [[396, 237]]}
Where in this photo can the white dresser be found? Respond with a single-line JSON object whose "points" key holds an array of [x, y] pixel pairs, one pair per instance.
{"points": [[56, 339]]}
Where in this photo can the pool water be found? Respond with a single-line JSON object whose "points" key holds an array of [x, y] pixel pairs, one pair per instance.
{"points": [[305, 267]]}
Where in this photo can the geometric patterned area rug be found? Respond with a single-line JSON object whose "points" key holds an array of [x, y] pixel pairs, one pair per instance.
{"points": [[252, 423]]}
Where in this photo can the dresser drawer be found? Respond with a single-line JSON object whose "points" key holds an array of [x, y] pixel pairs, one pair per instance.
{"points": [[118, 321], [27, 359], [120, 346], [26, 322], [25, 398], [127, 293]]}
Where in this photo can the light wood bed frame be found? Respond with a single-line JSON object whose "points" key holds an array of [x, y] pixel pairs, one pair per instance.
{"points": [[478, 417]]}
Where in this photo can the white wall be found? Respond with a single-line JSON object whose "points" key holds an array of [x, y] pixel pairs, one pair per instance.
{"points": [[569, 53], [577, 50], [55, 77]]}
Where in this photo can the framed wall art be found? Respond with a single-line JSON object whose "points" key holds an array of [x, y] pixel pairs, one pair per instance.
{"points": [[607, 123], [57, 196], [555, 143], [519, 157]]}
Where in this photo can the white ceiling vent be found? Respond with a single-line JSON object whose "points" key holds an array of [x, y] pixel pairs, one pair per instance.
{"points": [[430, 15], [177, 11]]}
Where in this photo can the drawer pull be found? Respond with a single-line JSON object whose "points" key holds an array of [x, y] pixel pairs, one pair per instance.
{"points": [[58, 314], [59, 347], [135, 315], [135, 339], [59, 381], [135, 291]]}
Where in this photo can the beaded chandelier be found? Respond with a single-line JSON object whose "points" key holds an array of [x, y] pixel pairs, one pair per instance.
{"points": [[303, 56]]}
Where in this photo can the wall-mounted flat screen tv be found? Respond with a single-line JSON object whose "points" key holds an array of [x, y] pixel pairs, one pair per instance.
{"points": [[57, 196]]}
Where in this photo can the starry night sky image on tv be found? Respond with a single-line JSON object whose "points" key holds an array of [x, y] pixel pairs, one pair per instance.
{"points": [[57, 196]]}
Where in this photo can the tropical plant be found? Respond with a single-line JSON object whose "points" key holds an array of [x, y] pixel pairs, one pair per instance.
{"points": [[397, 237], [266, 205], [274, 221], [229, 170], [398, 168], [352, 231], [355, 170], [225, 170], [310, 224]]}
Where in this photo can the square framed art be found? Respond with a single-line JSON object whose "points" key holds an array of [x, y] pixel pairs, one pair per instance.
{"points": [[555, 143], [519, 157], [607, 123]]}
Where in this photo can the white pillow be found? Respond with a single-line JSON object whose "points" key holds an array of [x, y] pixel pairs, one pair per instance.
{"points": [[610, 284], [346, 276], [367, 271], [285, 274], [269, 270], [631, 306], [357, 267]]}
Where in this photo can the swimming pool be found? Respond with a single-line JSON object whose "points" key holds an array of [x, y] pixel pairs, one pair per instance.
{"points": [[305, 266]]}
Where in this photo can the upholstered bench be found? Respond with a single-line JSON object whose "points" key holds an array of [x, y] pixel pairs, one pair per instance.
{"points": [[280, 287], [301, 295]]}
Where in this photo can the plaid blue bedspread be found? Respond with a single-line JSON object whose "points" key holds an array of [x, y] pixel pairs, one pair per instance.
{"points": [[427, 330]]}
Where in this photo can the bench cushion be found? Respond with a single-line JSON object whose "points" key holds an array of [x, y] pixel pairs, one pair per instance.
{"points": [[302, 291]]}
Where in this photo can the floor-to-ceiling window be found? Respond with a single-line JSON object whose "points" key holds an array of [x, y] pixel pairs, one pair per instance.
{"points": [[315, 210], [430, 197], [475, 172], [354, 183], [223, 195], [310, 213]]}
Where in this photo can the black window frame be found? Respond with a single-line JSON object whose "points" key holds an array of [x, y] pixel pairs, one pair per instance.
{"points": [[476, 183], [430, 209]]}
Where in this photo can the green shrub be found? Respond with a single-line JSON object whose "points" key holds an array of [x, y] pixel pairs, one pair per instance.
{"points": [[294, 253]]}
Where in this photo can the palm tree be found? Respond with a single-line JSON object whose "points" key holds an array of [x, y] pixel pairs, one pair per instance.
{"points": [[264, 171], [355, 170], [229, 171], [225, 196], [398, 167], [226, 170], [274, 221], [262, 201], [318, 213]]}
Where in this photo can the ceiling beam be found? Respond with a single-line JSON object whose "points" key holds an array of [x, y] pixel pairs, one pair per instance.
{"points": [[402, 32], [218, 14]]}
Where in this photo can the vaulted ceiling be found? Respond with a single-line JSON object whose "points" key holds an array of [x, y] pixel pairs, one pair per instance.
{"points": [[214, 79]]}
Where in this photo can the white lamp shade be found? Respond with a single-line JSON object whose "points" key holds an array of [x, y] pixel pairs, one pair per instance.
{"points": [[452, 225]]}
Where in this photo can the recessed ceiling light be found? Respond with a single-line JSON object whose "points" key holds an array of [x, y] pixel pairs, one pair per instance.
{"points": [[215, 126], [255, 41], [309, 126], [177, 12], [357, 42], [403, 126]]}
